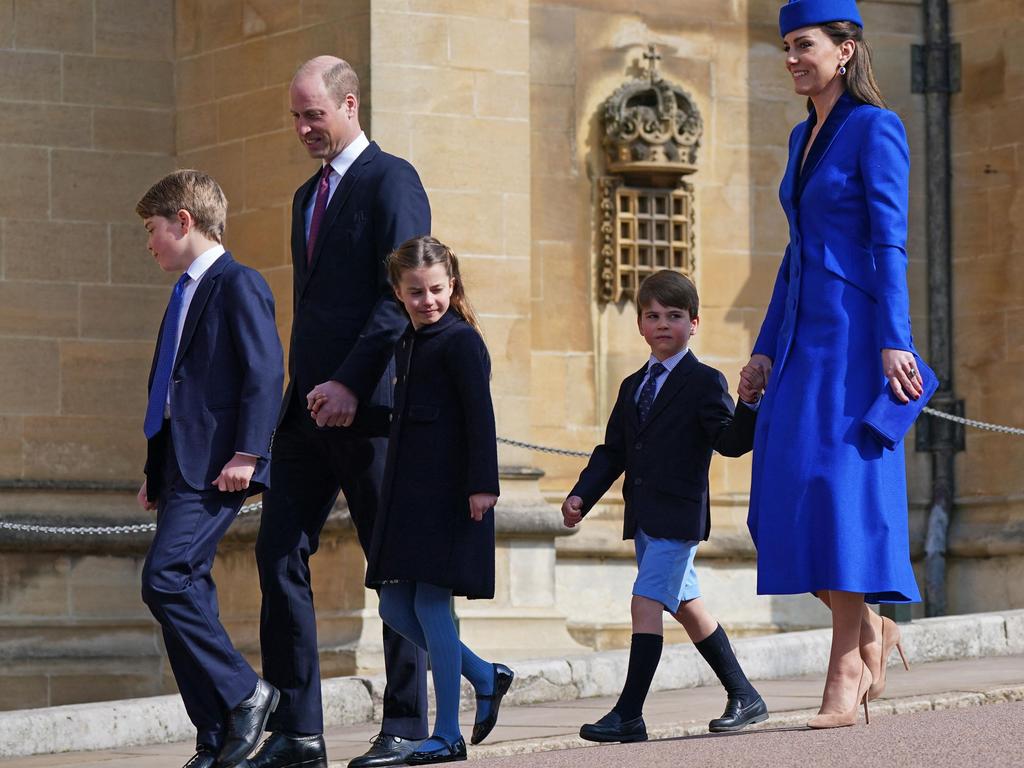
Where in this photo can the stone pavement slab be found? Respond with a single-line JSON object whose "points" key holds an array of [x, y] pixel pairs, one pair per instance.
{"points": [[553, 726]]}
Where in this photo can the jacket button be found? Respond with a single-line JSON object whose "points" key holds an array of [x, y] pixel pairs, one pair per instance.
{"points": [[638, 481], [638, 446]]}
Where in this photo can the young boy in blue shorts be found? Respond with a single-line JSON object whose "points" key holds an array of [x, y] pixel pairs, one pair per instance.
{"points": [[668, 419]]}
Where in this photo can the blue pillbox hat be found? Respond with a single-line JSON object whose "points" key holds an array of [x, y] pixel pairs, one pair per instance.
{"points": [[808, 13]]}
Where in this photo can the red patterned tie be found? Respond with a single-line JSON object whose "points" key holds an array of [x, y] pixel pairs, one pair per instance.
{"points": [[323, 191]]}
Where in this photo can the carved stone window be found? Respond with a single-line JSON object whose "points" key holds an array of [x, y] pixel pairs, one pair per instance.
{"points": [[652, 133]]}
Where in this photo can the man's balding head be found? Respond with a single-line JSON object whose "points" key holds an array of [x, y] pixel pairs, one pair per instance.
{"points": [[337, 75]]}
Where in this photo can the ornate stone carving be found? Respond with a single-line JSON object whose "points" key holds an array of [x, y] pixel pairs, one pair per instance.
{"points": [[646, 213], [652, 125]]}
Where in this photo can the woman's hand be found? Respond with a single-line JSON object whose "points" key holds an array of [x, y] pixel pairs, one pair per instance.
{"points": [[901, 371], [479, 503]]}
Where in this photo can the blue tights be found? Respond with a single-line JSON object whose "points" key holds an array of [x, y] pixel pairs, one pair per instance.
{"points": [[421, 613]]}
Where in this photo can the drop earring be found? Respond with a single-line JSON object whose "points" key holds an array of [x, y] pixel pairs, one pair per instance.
{"points": [[842, 69]]}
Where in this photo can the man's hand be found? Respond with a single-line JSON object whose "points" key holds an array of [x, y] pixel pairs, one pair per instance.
{"points": [[332, 404], [143, 498], [236, 474], [479, 503], [572, 511]]}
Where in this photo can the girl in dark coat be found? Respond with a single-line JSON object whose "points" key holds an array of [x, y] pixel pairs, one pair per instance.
{"points": [[434, 534]]}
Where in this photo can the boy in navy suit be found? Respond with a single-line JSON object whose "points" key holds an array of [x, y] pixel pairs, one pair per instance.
{"points": [[213, 392], [669, 417]]}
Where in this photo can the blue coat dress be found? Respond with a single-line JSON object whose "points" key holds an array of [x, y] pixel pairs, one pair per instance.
{"points": [[828, 507]]}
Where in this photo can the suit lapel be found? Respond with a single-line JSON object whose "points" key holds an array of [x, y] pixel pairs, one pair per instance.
{"points": [[673, 384], [299, 231], [338, 200], [198, 303], [791, 180], [631, 415], [826, 136]]}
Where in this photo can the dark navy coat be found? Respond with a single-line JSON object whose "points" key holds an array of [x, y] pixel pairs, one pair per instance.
{"points": [[346, 318], [442, 449], [666, 459], [226, 381]]}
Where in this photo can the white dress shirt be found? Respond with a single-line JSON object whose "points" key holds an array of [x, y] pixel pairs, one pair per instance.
{"points": [[195, 273], [339, 165]]}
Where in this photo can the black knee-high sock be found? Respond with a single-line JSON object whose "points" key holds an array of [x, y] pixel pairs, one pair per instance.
{"points": [[718, 654], [644, 655]]}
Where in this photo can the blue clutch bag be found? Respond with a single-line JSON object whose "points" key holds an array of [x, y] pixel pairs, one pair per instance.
{"points": [[888, 419]]}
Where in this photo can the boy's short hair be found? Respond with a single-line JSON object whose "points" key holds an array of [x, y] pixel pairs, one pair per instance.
{"points": [[192, 191], [670, 289]]}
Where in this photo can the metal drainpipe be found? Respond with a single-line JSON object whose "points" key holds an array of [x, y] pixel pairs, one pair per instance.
{"points": [[937, 75]]}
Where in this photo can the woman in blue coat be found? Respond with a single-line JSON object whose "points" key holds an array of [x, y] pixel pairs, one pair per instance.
{"points": [[828, 507]]}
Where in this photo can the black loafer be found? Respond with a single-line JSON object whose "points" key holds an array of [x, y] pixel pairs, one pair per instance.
{"points": [[612, 727], [246, 723], [738, 715], [203, 758], [449, 753], [386, 750], [502, 682], [282, 751]]}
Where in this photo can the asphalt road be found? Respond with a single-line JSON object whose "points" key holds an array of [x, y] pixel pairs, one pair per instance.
{"points": [[975, 737]]}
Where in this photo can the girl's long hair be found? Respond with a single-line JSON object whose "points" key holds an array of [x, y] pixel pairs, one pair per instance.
{"points": [[859, 77], [426, 251]]}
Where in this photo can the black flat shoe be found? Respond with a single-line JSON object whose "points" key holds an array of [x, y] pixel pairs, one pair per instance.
{"points": [[246, 723], [738, 715], [386, 750], [502, 682], [612, 727], [282, 751], [449, 753]]}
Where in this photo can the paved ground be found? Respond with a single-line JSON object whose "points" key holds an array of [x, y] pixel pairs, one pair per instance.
{"points": [[545, 735]]}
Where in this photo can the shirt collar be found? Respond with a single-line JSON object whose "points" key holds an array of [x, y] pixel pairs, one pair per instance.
{"points": [[344, 159], [669, 362], [203, 262]]}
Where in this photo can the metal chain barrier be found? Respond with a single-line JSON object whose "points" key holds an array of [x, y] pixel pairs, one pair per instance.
{"points": [[113, 530]]}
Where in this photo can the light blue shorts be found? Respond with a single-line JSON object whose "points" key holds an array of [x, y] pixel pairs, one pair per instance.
{"points": [[665, 571]]}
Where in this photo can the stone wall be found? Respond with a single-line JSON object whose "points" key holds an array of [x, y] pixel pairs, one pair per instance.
{"points": [[987, 530], [86, 124]]}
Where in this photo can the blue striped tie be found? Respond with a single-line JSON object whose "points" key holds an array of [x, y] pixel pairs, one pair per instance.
{"points": [[162, 376], [650, 389]]}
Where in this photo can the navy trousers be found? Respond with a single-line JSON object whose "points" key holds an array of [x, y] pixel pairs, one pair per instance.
{"points": [[309, 468], [212, 676]]}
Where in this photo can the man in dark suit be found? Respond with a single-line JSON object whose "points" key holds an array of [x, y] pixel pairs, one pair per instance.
{"points": [[359, 206], [215, 379]]}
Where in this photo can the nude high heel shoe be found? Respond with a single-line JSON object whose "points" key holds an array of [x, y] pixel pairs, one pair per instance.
{"points": [[890, 640], [843, 719]]}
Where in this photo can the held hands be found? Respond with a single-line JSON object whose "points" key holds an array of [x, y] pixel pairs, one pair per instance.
{"points": [[901, 371], [332, 404], [143, 498], [236, 473], [572, 511], [479, 503], [754, 378]]}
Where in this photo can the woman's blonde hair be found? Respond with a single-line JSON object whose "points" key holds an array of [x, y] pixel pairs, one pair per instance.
{"points": [[426, 251]]}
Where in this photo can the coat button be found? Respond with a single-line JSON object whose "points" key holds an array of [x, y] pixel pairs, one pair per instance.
{"points": [[638, 481], [638, 446]]}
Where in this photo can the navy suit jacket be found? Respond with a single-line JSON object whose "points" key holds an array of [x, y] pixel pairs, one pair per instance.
{"points": [[666, 459], [346, 318], [226, 380]]}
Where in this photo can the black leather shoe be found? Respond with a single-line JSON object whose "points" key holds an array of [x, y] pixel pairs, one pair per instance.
{"points": [[386, 750], [612, 727], [449, 753], [738, 715], [203, 758], [502, 682], [282, 751], [246, 723]]}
